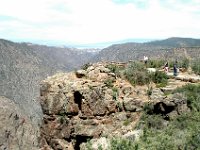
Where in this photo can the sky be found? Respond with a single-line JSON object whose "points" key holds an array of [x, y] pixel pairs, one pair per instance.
{"points": [[88, 22]]}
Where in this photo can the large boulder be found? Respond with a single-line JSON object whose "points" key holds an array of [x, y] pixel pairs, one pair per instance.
{"points": [[171, 106], [86, 104]]}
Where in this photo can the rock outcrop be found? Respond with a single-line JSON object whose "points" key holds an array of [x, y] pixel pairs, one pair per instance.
{"points": [[16, 130], [169, 106], [94, 104], [86, 104]]}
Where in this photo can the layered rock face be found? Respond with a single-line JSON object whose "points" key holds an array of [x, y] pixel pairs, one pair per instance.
{"points": [[91, 104], [16, 129], [86, 104]]}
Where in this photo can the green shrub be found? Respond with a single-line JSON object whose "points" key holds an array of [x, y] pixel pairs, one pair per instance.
{"points": [[184, 63], [183, 132], [153, 121], [148, 108], [115, 69], [123, 144], [192, 93], [194, 142], [115, 93], [156, 63], [127, 122], [109, 82], [89, 145], [85, 66], [149, 91], [160, 78], [137, 74], [196, 66]]}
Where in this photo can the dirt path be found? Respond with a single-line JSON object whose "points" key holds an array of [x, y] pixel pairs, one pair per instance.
{"points": [[185, 77], [179, 81]]}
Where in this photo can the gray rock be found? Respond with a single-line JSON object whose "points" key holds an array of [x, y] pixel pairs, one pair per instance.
{"points": [[16, 130], [131, 104], [133, 135]]}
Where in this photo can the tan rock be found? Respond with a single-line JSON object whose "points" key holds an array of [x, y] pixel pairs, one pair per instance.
{"points": [[82, 106], [81, 73]]}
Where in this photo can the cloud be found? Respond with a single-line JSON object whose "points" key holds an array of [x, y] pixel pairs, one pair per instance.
{"points": [[95, 21]]}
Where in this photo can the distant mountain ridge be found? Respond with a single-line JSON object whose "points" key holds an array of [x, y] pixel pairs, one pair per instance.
{"points": [[167, 48], [176, 42]]}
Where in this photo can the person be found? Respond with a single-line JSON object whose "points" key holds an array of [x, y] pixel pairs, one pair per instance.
{"points": [[175, 69], [145, 60], [166, 67]]}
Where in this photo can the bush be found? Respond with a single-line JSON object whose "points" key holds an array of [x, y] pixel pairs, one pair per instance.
{"points": [[153, 121], [123, 144], [156, 63], [148, 108], [109, 82], [160, 78], [137, 74], [196, 66], [183, 132], [194, 142], [184, 63], [127, 122], [192, 93], [115, 69], [115, 93], [85, 66]]}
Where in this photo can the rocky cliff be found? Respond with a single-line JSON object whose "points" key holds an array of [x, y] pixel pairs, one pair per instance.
{"points": [[17, 131], [94, 104], [23, 66]]}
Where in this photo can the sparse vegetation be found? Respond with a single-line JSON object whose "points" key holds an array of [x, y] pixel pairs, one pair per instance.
{"points": [[149, 91], [115, 93], [156, 63], [193, 96], [115, 69], [137, 74], [160, 78], [109, 82], [85, 66], [184, 63], [122, 144], [196, 66], [181, 133], [127, 122]]}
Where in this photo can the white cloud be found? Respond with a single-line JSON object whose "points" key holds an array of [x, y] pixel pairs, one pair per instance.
{"points": [[93, 21]]}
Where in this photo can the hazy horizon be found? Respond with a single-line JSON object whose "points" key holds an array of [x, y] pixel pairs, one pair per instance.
{"points": [[80, 46], [97, 22]]}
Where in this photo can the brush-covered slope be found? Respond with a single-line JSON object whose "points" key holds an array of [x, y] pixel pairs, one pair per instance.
{"points": [[168, 48]]}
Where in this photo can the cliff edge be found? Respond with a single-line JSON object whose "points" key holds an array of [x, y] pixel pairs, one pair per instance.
{"points": [[95, 104]]}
